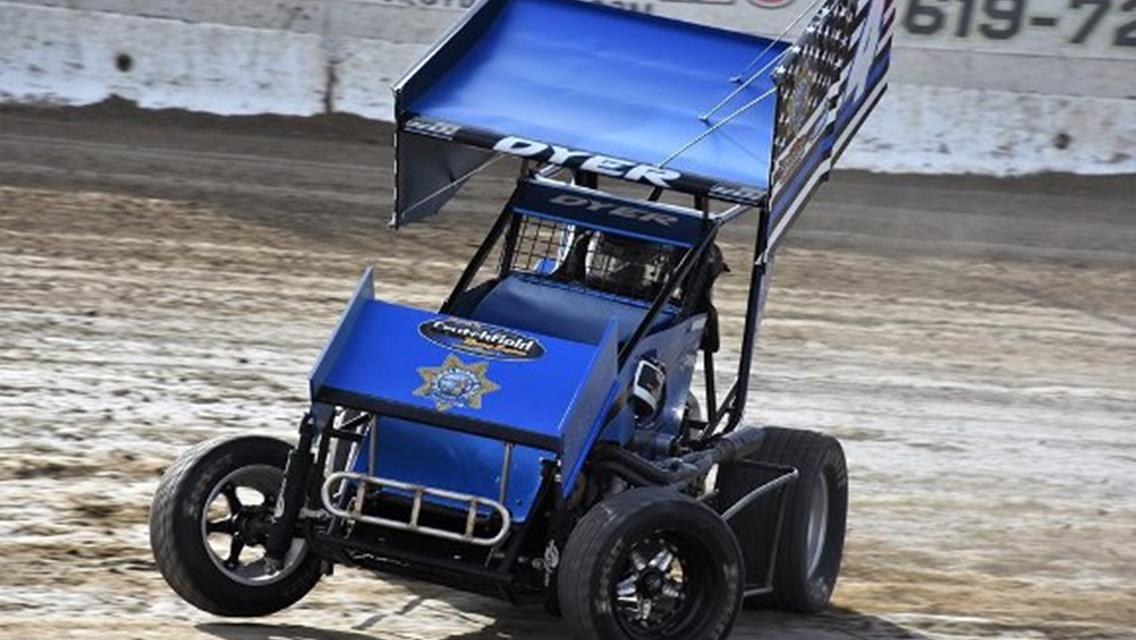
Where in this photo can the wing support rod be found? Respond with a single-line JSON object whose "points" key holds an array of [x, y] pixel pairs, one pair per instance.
{"points": [[718, 125], [756, 74]]}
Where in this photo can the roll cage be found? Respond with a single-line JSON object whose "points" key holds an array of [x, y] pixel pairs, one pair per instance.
{"points": [[692, 262]]}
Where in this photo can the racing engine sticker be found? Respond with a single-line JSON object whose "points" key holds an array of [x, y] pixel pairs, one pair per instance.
{"points": [[477, 339], [455, 383]]}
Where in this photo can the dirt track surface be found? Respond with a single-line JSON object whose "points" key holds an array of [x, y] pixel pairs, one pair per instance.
{"points": [[167, 278]]}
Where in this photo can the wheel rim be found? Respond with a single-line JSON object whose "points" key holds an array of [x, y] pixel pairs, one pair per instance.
{"points": [[658, 587], [818, 524], [233, 531]]}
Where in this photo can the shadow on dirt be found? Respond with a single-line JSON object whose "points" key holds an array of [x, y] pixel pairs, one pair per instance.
{"points": [[531, 623], [256, 631]]}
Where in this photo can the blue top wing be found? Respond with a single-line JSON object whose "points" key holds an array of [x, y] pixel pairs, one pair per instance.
{"points": [[594, 79], [624, 94], [576, 82]]}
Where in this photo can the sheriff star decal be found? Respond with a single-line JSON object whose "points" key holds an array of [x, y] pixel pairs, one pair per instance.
{"points": [[455, 383]]}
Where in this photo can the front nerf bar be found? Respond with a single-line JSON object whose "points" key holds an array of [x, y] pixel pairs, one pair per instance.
{"points": [[411, 524]]}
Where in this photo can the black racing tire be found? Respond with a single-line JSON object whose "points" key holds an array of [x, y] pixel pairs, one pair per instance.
{"points": [[551, 601], [178, 520], [608, 550], [805, 572]]}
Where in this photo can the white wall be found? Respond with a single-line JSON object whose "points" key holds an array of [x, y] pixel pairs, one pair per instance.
{"points": [[1001, 98], [1020, 86]]}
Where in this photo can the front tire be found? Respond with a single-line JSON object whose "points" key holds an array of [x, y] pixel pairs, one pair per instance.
{"points": [[208, 519], [811, 544], [650, 563]]}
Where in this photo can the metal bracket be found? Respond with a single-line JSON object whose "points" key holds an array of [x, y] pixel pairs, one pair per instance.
{"points": [[789, 475], [419, 492]]}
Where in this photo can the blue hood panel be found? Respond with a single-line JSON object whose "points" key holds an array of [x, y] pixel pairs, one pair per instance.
{"points": [[466, 376]]}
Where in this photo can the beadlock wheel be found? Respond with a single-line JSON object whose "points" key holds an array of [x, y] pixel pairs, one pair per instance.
{"points": [[208, 524], [238, 504], [650, 563]]}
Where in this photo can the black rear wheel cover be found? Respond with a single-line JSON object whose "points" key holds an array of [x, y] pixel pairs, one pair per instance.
{"points": [[795, 587]]}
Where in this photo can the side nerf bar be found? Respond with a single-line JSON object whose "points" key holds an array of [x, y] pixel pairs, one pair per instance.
{"points": [[411, 524]]}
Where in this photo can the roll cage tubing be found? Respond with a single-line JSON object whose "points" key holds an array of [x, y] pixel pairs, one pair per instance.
{"points": [[734, 401]]}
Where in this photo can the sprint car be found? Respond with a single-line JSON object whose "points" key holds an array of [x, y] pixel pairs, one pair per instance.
{"points": [[554, 432]]}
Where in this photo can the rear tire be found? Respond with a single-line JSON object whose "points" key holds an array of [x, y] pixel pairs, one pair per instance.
{"points": [[210, 492], [650, 563], [811, 544]]}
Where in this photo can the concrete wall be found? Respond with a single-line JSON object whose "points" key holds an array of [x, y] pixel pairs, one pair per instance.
{"points": [[1006, 86]]}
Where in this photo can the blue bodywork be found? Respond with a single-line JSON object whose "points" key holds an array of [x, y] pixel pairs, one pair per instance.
{"points": [[381, 359], [385, 353], [533, 364], [543, 363]]}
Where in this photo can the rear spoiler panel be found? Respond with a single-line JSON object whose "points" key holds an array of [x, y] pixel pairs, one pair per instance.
{"points": [[648, 112]]}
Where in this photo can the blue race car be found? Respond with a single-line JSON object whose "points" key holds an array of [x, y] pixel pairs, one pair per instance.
{"points": [[537, 437]]}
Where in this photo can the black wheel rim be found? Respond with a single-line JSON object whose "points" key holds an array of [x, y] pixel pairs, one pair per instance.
{"points": [[233, 527], [661, 582], [817, 530]]}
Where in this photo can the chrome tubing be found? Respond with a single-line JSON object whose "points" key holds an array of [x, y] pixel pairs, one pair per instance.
{"points": [[411, 524]]}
